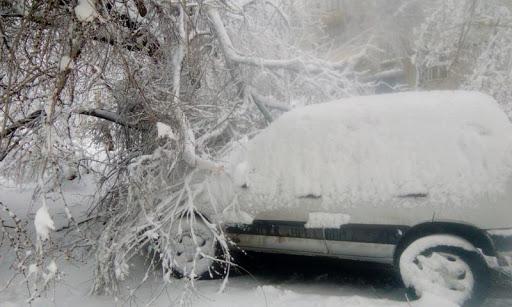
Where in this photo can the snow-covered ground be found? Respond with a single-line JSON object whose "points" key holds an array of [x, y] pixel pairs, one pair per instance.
{"points": [[274, 280], [287, 281]]}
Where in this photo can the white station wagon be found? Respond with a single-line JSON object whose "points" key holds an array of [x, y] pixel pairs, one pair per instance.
{"points": [[420, 180]]}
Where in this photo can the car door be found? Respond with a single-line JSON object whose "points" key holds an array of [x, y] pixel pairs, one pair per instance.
{"points": [[283, 229], [373, 230]]}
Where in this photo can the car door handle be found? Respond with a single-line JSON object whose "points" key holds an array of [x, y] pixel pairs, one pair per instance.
{"points": [[310, 196], [413, 195]]}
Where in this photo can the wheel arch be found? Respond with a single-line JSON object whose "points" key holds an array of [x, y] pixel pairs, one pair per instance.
{"points": [[477, 237]]}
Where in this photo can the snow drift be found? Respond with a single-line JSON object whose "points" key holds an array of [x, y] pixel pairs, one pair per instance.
{"points": [[451, 146]]}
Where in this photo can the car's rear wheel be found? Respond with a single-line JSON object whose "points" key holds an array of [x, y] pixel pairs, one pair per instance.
{"points": [[192, 251], [447, 267]]}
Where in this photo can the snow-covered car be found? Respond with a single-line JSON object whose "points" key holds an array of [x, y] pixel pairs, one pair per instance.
{"points": [[420, 180]]}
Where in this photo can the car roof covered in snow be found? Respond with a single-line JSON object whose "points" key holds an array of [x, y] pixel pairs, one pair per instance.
{"points": [[445, 144]]}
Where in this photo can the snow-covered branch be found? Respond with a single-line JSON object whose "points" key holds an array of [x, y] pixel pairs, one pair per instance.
{"points": [[107, 115], [233, 55], [269, 101], [187, 134]]}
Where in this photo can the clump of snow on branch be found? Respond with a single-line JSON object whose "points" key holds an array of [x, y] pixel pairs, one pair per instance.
{"points": [[43, 223], [165, 131], [65, 63], [85, 11]]}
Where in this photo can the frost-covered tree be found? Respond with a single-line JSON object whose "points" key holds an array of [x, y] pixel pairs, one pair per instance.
{"points": [[143, 93], [492, 70], [466, 44]]}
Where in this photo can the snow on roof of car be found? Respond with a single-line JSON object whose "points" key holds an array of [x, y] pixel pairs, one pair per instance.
{"points": [[444, 144]]}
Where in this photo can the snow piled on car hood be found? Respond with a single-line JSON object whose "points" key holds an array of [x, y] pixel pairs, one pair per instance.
{"points": [[448, 145]]}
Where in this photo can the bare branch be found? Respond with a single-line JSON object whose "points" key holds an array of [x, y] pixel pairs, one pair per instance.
{"points": [[141, 7], [187, 134], [22, 123], [107, 115], [248, 93], [34, 116]]}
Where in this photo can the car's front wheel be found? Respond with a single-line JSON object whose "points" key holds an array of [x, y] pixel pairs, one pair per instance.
{"points": [[447, 267], [192, 251]]}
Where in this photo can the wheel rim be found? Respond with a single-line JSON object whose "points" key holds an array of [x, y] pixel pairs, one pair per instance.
{"points": [[192, 250], [443, 274]]}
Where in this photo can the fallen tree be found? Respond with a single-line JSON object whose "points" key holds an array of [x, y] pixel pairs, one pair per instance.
{"points": [[159, 88]]}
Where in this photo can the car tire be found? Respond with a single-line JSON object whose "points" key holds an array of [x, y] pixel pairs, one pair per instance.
{"points": [[192, 251], [447, 267]]}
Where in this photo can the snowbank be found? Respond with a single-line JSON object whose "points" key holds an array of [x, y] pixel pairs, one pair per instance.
{"points": [[451, 146], [242, 291]]}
